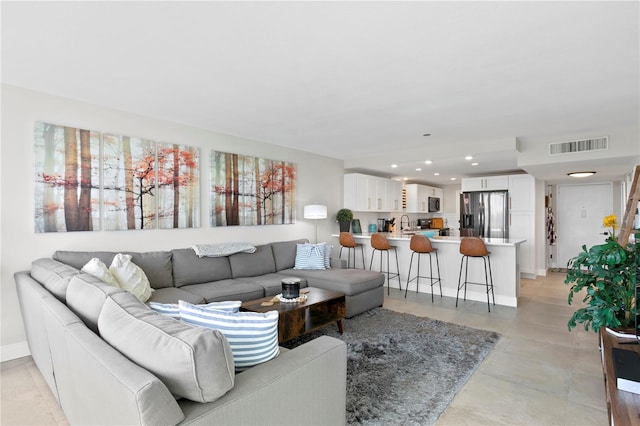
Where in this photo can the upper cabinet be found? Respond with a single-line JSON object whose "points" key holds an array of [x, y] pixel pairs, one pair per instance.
{"points": [[491, 183], [394, 195], [364, 193], [418, 198], [521, 192]]}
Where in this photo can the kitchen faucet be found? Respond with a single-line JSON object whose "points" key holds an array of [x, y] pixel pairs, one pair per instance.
{"points": [[402, 222]]}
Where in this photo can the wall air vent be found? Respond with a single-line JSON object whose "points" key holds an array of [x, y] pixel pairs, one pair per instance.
{"points": [[582, 145]]}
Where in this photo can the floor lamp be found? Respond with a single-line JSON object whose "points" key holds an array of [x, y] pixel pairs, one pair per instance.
{"points": [[315, 211]]}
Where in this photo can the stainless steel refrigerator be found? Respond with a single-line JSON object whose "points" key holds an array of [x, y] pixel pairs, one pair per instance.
{"points": [[484, 214]]}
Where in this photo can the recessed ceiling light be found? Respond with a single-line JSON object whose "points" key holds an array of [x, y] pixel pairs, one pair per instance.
{"points": [[436, 174], [452, 178], [581, 174], [468, 157], [428, 162], [405, 178], [474, 164], [419, 169], [394, 166]]}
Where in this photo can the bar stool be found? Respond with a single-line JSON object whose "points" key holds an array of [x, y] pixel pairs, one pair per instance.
{"points": [[380, 242], [347, 240], [475, 247], [420, 245]]}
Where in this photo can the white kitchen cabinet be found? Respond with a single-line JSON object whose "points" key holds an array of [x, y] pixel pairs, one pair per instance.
{"points": [[521, 192], [522, 226], [490, 183], [418, 197], [394, 195], [522, 219], [364, 193]]}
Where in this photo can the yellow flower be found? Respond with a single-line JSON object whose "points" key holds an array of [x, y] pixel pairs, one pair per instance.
{"points": [[610, 221]]}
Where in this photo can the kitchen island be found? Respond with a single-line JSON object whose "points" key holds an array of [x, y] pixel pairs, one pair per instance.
{"points": [[504, 266]]}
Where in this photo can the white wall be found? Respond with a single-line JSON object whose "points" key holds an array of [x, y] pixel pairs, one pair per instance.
{"points": [[319, 181]]}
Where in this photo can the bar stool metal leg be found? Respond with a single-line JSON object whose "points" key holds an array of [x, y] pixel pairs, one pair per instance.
{"points": [[432, 280]]}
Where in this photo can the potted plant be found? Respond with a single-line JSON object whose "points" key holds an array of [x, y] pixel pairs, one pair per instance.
{"points": [[344, 218], [604, 272]]}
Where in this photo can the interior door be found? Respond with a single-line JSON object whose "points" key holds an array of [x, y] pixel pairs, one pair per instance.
{"points": [[580, 210]]}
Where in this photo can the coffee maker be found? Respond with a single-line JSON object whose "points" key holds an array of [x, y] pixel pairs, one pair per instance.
{"points": [[384, 225]]}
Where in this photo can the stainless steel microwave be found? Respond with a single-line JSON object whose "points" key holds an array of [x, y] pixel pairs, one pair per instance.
{"points": [[434, 204]]}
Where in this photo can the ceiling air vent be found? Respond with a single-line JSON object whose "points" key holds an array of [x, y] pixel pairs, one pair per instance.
{"points": [[582, 145]]}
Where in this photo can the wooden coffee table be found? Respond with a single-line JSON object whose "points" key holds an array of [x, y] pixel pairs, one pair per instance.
{"points": [[321, 308]]}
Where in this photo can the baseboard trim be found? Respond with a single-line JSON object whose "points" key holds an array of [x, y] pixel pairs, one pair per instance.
{"points": [[13, 351]]}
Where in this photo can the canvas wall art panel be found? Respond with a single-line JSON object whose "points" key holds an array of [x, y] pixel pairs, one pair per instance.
{"points": [[178, 177], [67, 178], [129, 182], [248, 190]]}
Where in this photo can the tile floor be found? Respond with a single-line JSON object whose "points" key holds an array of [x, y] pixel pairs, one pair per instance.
{"points": [[538, 373]]}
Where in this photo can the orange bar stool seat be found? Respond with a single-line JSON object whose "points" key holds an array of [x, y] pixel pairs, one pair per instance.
{"points": [[420, 245], [474, 247], [347, 240], [380, 243]]}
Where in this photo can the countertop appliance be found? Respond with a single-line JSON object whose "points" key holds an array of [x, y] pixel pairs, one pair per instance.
{"points": [[424, 223], [484, 214]]}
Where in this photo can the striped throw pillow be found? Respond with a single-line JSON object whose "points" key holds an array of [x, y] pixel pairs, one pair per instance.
{"points": [[173, 309], [310, 256], [253, 336]]}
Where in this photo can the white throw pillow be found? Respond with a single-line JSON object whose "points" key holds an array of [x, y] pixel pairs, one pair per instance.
{"points": [[131, 277], [253, 336], [310, 256], [98, 269]]}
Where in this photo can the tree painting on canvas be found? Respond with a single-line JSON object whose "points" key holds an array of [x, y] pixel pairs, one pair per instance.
{"points": [[129, 182], [249, 190], [67, 168], [178, 186]]}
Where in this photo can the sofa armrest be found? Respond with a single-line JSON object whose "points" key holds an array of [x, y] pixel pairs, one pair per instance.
{"points": [[302, 386], [338, 263]]}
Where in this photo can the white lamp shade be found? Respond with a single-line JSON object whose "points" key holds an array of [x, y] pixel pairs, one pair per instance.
{"points": [[315, 211]]}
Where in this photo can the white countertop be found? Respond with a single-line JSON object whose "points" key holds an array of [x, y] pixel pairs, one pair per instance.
{"points": [[397, 236]]}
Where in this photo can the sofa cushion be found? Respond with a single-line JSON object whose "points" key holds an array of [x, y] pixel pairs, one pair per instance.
{"points": [[54, 276], [271, 283], [253, 264], [130, 276], [98, 269], [156, 265], [173, 294], [253, 336], [86, 295], [188, 268], [173, 309], [349, 281], [193, 362], [284, 253], [78, 259], [225, 290]]}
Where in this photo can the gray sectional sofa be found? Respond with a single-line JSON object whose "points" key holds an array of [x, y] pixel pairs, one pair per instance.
{"points": [[109, 359]]}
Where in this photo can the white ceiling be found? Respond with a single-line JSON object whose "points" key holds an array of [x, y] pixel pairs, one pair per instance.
{"points": [[358, 81]]}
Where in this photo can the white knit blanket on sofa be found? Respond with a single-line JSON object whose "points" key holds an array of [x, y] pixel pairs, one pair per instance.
{"points": [[222, 249]]}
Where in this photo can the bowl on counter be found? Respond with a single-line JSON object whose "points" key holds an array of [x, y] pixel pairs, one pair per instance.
{"points": [[429, 234]]}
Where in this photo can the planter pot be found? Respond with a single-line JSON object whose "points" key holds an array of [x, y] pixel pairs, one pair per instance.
{"points": [[344, 226]]}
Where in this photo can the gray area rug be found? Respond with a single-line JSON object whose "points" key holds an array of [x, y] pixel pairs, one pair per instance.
{"points": [[403, 369]]}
